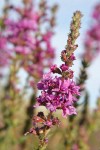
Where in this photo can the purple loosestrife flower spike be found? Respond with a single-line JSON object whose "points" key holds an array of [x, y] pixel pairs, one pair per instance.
{"points": [[60, 92]]}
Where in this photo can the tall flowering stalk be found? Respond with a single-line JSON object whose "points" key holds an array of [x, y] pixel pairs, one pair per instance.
{"points": [[33, 40], [58, 92]]}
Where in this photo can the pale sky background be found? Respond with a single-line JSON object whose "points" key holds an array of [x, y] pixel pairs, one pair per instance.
{"points": [[65, 12]]}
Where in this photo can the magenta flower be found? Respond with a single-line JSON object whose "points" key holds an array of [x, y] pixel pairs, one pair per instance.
{"points": [[64, 67], [61, 92], [58, 93], [19, 35], [28, 40], [53, 68], [58, 90]]}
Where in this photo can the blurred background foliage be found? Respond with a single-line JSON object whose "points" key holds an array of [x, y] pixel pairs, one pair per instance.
{"points": [[27, 41]]}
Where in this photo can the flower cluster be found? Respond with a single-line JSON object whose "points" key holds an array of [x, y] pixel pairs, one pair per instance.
{"points": [[28, 40], [60, 92], [18, 31]]}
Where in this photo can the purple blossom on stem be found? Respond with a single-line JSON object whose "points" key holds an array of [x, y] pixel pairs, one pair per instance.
{"points": [[64, 67], [60, 92]]}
